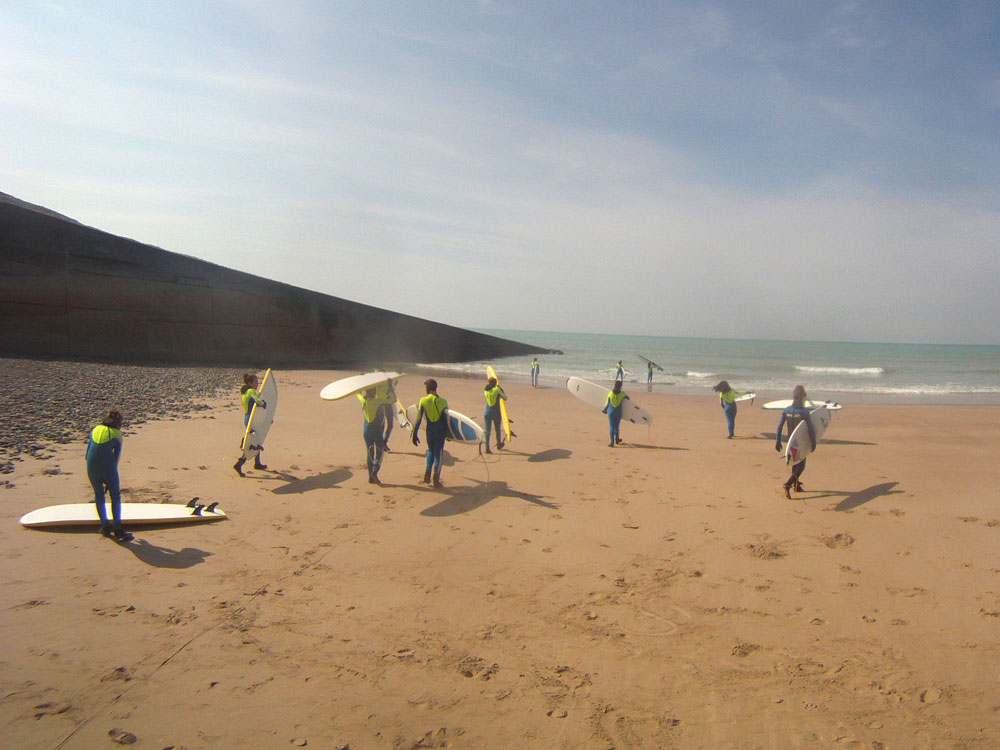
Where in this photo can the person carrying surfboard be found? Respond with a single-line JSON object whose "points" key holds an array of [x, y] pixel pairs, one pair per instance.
{"points": [[371, 407], [249, 398], [620, 372], [491, 416], [534, 372], [385, 394], [727, 398], [104, 449], [435, 409], [613, 408], [792, 416]]}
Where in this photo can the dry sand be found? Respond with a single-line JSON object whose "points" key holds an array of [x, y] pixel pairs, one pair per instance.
{"points": [[561, 594]]}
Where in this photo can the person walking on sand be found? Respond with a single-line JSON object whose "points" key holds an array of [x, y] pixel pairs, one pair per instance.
{"points": [[791, 417], [534, 372], [373, 429], [491, 416], [727, 398], [250, 398], [613, 408], [620, 372], [385, 394], [435, 409], [104, 449]]}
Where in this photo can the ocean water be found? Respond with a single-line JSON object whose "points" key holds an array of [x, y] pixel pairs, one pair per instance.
{"points": [[846, 371]]}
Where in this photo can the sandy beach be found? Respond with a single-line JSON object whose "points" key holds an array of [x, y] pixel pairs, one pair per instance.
{"points": [[560, 594]]}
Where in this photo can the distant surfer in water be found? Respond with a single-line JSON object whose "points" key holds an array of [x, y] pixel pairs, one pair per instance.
{"points": [[534, 372], [620, 372], [104, 449], [791, 416], [613, 408], [727, 398], [491, 416], [250, 398], [373, 428], [435, 409]]}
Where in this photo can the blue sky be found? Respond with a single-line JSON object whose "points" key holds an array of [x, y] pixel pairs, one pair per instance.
{"points": [[799, 170]]}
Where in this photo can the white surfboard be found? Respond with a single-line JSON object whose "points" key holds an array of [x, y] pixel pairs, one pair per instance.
{"points": [[785, 403], [799, 446], [748, 396], [261, 417], [597, 396], [461, 429], [133, 514], [649, 362], [344, 387], [401, 417]]}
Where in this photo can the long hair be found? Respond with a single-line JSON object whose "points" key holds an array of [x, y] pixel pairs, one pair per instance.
{"points": [[113, 419], [247, 377], [722, 387]]}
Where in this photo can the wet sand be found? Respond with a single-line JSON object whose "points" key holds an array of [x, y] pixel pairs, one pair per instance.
{"points": [[559, 594]]}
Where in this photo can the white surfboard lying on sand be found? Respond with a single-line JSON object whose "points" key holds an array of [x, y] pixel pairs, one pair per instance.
{"points": [[85, 514], [799, 446], [461, 429], [261, 417], [597, 396], [348, 386], [785, 403]]}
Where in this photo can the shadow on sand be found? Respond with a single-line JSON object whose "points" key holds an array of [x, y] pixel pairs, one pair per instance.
{"points": [[164, 557], [822, 441], [854, 499], [552, 454], [326, 481], [464, 501]]}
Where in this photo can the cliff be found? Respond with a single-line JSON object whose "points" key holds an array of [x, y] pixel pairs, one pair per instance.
{"points": [[74, 292]]}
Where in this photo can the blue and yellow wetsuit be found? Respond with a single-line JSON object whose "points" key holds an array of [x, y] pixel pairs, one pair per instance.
{"points": [[492, 414], [434, 407], [373, 428], [728, 401], [104, 449], [613, 408], [385, 394]]}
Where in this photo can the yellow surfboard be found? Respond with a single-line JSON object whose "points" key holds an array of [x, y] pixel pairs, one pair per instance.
{"points": [[504, 419]]}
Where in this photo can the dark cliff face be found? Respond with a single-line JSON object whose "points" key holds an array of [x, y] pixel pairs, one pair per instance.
{"points": [[70, 291]]}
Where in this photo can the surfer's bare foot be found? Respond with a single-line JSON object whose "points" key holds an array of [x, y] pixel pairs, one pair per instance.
{"points": [[799, 487], [260, 467], [426, 479], [787, 490], [374, 480], [238, 468], [437, 482], [619, 441], [488, 449]]}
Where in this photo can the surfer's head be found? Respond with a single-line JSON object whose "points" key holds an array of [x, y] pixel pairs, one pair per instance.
{"points": [[799, 394], [369, 393], [113, 419], [491, 383], [722, 387], [249, 381], [618, 386], [431, 385]]}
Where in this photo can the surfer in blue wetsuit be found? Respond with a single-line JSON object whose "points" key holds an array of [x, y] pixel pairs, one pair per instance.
{"points": [[104, 449], [534, 372], [727, 398], [491, 416], [613, 408], [649, 373], [371, 407], [248, 399], [435, 409], [791, 417], [620, 372], [385, 394]]}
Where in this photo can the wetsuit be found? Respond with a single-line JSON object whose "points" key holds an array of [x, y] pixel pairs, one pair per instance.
{"points": [[492, 415], [620, 373], [791, 417], [433, 407], [104, 449], [613, 408], [728, 401], [249, 399], [534, 373], [649, 373], [385, 394], [374, 425]]}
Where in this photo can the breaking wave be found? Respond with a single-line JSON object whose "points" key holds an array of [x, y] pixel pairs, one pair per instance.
{"points": [[870, 371]]}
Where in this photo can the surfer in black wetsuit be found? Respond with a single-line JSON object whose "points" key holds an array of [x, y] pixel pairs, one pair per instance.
{"points": [[791, 417]]}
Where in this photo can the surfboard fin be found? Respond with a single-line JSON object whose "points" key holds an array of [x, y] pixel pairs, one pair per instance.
{"points": [[197, 510], [211, 508], [194, 502]]}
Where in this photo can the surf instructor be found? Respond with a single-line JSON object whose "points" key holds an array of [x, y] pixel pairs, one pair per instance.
{"points": [[791, 417], [435, 409]]}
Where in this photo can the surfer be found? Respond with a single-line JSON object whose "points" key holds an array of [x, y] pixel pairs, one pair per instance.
{"points": [[249, 399], [649, 373], [436, 410], [104, 449], [534, 372], [791, 416], [491, 416], [385, 394], [371, 407], [613, 408], [620, 372], [727, 399]]}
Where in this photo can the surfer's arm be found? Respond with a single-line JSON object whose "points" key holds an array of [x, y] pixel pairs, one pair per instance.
{"points": [[781, 426], [415, 436]]}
